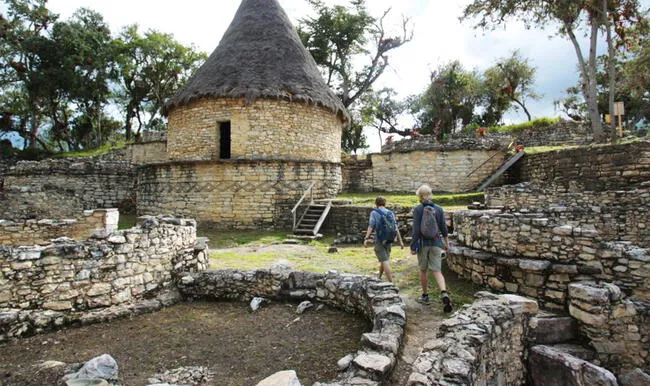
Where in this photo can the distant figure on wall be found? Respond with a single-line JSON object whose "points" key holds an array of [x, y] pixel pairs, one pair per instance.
{"points": [[428, 242], [383, 222]]}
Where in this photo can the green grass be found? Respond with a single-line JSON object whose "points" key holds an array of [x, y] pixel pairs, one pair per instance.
{"points": [[231, 239], [313, 256], [539, 123], [447, 201], [93, 152], [127, 221]]}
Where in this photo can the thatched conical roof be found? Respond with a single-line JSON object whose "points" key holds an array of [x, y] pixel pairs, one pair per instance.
{"points": [[260, 56]]}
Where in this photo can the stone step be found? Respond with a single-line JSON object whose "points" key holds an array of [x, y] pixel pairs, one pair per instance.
{"points": [[552, 329]]}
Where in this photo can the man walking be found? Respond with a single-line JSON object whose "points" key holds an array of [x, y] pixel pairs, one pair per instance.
{"points": [[383, 222], [430, 239]]}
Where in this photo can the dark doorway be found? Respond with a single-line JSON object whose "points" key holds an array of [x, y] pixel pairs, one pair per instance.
{"points": [[224, 140]]}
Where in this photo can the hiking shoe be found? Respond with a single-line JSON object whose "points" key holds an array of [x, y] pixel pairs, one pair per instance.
{"points": [[424, 299], [446, 301]]}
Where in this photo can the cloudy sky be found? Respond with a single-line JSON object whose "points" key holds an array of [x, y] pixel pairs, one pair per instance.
{"points": [[439, 37]]}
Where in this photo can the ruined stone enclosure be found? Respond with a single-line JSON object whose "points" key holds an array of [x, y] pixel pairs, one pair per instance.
{"points": [[565, 231]]}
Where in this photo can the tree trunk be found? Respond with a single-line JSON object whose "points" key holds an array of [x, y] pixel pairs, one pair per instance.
{"points": [[588, 71], [611, 64]]}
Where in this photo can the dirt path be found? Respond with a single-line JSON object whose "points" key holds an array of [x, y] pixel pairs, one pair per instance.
{"points": [[422, 325]]}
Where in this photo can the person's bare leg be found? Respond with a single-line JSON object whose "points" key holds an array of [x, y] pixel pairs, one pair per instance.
{"points": [[381, 269], [424, 282], [440, 280], [386, 267]]}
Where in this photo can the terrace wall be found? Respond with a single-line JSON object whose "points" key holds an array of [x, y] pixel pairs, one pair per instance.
{"points": [[124, 272]]}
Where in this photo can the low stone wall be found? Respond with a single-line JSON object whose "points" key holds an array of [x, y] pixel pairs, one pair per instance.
{"points": [[353, 220], [378, 301], [70, 281], [621, 215], [596, 168], [531, 255], [562, 133], [64, 188], [237, 194], [617, 328], [30, 232], [356, 174], [482, 344], [444, 171]]}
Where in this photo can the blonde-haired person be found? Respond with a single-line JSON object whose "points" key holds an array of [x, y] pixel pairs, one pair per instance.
{"points": [[429, 249]]}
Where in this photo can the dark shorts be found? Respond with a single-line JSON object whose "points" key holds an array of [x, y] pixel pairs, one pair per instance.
{"points": [[382, 251]]}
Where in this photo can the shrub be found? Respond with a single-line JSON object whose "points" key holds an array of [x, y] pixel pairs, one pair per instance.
{"points": [[535, 124]]}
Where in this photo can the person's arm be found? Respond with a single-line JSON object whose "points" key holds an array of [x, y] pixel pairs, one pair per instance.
{"points": [[367, 237], [442, 225], [399, 238], [371, 226], [415, 237]]}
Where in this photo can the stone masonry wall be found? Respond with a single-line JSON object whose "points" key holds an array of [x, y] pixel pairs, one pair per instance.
{"points": [[68, 281], [562, 133], [265, 129], [610, 167], [30, 232], [444, 171], [482, 344], [236, 194], [531, 255], [64, 188], [617, 328], [618, 215], [377, 301], [356, 175]]}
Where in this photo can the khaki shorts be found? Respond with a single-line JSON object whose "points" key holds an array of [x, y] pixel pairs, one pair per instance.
{"points": [[382, 251], [430, 258]]}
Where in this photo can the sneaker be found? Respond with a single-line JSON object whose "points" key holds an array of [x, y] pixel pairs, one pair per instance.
{"points": [[424, 299], [446, 301]]}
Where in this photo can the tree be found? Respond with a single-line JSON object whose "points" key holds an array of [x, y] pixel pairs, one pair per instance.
{"points": [[452, 96], [338, 38], [572, 16], [151, 69], [22, 31], [509, 81]]}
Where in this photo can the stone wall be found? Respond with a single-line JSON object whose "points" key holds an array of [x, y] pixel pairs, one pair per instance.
{"points": [[30, 232], [444, 171], [377, 301], [617, 328], [356, 174], [353, 220], [597, 168], [147, 152], [482, 344], [528, 253], [264, 129], [44, 286], [64, 188], [619, 215], [563, 133], [238, 194]]}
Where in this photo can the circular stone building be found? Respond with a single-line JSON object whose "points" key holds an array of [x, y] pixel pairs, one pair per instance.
{"points": [[250, 131]]}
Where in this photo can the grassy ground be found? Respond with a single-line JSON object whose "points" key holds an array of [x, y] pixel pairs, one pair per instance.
{"points": [[447, 201], [252, 250]]}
